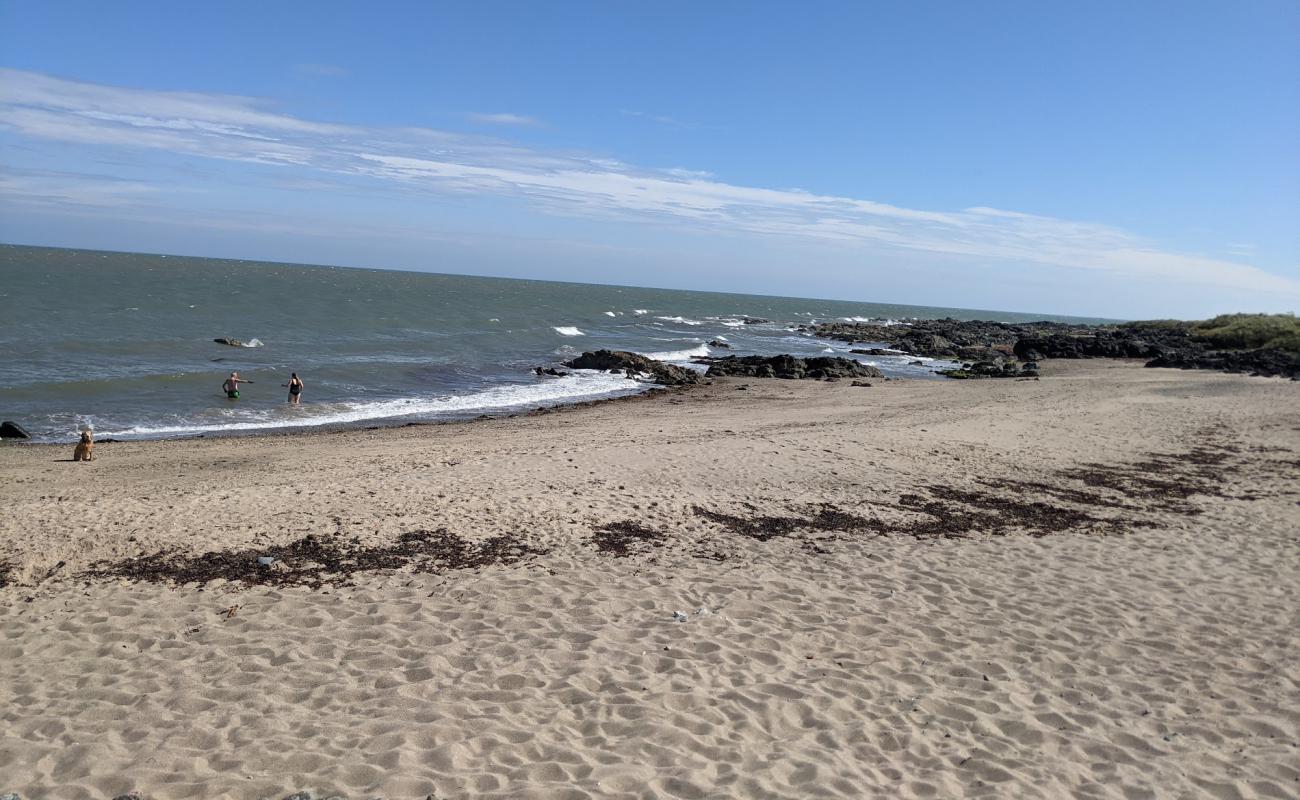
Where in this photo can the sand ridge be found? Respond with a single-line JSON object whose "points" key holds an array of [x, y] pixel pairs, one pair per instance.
{"points": [[1147, 651]]}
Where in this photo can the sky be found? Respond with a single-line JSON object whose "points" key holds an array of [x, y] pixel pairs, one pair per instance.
{"points": [[1115, 159]]}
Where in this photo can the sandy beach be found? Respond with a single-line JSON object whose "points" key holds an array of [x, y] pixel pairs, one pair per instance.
{"points": [[1081, 586]]}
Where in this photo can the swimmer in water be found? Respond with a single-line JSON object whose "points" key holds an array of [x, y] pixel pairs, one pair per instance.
{"points": [[295, 388], [231, 386]]}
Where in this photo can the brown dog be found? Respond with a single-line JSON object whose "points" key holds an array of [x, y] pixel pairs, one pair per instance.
{"points": [[85, 448]]}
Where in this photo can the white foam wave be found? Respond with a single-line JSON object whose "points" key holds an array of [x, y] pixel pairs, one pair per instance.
{"points": [[568, 330], [679, 355], [681, 320], [640, 311], [610, 314], [578, 385], [733, 323]]}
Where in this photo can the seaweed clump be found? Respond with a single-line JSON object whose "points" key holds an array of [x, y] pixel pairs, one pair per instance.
{"points": [[312, 561], [625, 538]]}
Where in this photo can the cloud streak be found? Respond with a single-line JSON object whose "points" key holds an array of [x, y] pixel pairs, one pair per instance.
{"points": [[502, 119], [248, 130]]}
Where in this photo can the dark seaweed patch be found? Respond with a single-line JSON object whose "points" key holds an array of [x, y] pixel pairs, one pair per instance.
{"points": [[754, 527], [312, 561], [622, 539]]}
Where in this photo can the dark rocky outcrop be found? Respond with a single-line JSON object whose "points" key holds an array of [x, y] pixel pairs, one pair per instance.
{"points": [[623, 361], [1268, 363], [1251, 343], [877, 351], [936, 338], [789, 367], [754, 320], [12, 430], [231, 342], [720, 344], [552, 371]]}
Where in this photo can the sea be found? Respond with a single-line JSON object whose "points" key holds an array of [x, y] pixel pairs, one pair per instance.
{"points": [[123, 343]]}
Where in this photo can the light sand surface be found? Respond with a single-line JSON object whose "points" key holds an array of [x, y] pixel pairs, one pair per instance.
{"points": [[1148, 649]]}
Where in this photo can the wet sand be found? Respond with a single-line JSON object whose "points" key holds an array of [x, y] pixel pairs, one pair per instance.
{"points": [[1082, 586]]}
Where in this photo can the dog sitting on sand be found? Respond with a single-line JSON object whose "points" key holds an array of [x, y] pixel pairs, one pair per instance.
{"points": [[85, 448]]}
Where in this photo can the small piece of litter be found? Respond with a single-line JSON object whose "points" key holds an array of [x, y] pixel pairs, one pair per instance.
{"points": [[680, 616]]}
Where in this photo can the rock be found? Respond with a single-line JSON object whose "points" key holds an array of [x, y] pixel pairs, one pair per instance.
{"points": [[10, 796], [1265, 363], [878, 351], [549, 371], [300, 796], [719, 344], [860, 383], [754, 320], [12, 430], [231, 342], [631, 363], [1168, 343], [790, 368], [131, 795], [916, 363]]}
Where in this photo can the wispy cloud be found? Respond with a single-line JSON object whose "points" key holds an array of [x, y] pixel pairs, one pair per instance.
{"points": [[501, 119], [658, 118], [321, 70], [248, 130], [63, 189]]}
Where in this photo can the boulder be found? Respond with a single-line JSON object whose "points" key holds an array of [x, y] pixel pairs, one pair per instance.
{"points": [[790, 368], [231, 342], [720, 344], [12, 430], [877, 351], [632, 363]]}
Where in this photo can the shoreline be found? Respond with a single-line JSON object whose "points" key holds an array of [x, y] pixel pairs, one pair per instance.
{"points": [[914, 589]]}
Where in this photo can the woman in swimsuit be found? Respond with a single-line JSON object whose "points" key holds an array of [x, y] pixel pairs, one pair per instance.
{"points": [[295, 388]]}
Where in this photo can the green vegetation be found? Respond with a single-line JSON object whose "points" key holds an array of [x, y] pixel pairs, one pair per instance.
{"points": [[1250, 332]]}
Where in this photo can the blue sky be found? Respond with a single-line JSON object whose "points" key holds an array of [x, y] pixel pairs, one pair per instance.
{"points": [[1113, 159]]}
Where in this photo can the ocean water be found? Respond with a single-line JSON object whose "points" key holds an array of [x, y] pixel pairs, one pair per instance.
{"points": [[123, 343]]}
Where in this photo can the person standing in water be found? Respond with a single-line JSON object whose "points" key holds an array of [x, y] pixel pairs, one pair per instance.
{"points": [[231, 386], [295, 388]]}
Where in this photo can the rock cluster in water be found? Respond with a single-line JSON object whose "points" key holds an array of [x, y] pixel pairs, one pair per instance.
{"points": [[633, 364], [1188, 345]]}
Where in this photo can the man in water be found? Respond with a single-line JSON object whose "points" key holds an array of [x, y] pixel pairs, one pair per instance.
{"points": [[231, 386]]}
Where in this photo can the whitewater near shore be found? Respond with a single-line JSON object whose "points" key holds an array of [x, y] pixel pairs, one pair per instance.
{"points": [[1081, 586]]}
